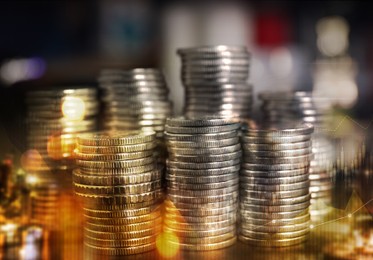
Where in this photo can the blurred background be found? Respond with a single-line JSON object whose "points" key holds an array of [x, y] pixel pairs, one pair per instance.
{"points": [[324, 46], [320, 45]]}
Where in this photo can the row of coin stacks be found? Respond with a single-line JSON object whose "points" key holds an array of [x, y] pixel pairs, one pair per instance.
{"points": [[54, 118], [119, 183], [274, 185], [136, 99], [287, 107], [215, 81], [202, 182]]}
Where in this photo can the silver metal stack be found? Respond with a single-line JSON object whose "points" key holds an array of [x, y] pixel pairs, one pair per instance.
{"points": [[54, 118], [135, 99], [215, 81], [288, 107], [274, 185], [202, 182], [121, 190]]}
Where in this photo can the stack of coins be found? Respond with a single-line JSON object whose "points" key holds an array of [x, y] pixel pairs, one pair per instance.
{"points": [[202, 182], [274, 185], [215, 81], [287, 107], [54, 118], [135, 99], [120, 186]]}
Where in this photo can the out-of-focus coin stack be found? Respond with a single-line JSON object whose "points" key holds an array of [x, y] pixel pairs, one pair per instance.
{"points": [[202, 182], [54, 118], [288, 107], [120, 186], [274, 185], [215, 81], [136, 99]]}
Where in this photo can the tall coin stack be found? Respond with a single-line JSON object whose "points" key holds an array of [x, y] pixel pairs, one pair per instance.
{"points": [[215, 81], [202, 182], [274, 185], [54, 118], [120, 186], [287, 107]]}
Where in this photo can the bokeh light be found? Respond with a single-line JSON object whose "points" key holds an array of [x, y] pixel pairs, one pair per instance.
{"points": [[73, 108], [164, 247]]}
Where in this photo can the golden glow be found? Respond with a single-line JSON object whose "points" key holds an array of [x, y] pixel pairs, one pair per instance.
{"points": [[166, 249], [9, 227], [31, 160], [73, 108], [31, 180], [61, 146]]}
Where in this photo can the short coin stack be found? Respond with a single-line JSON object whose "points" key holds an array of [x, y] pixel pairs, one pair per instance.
{"points": [[120, 186], [274, 185], [215, 81], [304, 107], [202, 182]]}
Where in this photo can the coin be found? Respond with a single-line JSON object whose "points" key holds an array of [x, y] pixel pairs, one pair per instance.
{"points": [[205, 157], [201, 212], [123, 221], [274, 181], [202, 130], [205, 186], [204, 172], [273, 243], [204, 151], [113, 139], [275, 209], [115, 164], [200, 233], [202, 180], [121, 251], [204, 247], [118, 189], [122, 235], [277, 201], [121, 213], [194, 193], [124, 228], [274, 174], [200, 166], [273, 195], [115, 149], [204, 199]]}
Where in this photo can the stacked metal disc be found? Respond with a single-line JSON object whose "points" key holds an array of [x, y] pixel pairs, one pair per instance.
{"points": [[274, 185], [287, 107], [54, 118], [135, 99], [202, 182], [215, 81], [120, 186]]}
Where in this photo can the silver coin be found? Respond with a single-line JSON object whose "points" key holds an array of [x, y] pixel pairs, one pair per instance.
{"points": [[275, 221], [202, 180], [202, 130], [195, 193], [204, 247], [274, 236], [200, 233], [274, 174], [203, 172], [201, 166], [273, 243], [275, 167], [273, 215], [115, 164], [199, 219], [275, 209], [123, 221], [278, 160], [284, 153], [275, 229], [121, 171], [275, 187], [205, 199], [206, 186], [119, 243], [200, 137], [201, 212], [203, 144], [205, 151], [115, 149], [270, 140], [277, 201], [273, 195], [199, 226], [209, 240], [205, 158], [204, 206], [274, 181]]}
